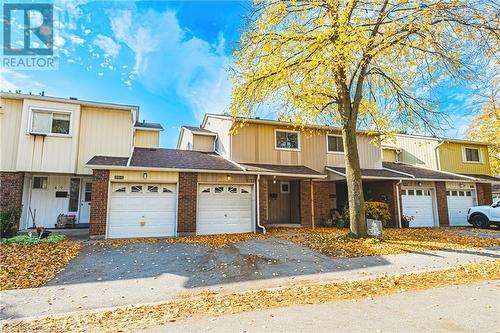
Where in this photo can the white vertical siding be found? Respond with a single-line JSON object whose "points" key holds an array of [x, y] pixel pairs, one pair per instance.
{"points": [[417, 151], [222, 128], [10, 125]]}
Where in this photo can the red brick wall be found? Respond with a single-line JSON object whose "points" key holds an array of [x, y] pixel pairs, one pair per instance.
{"points": [[442, 204], [484, 194], [263, 200], [188, 192], [11, 190], [383, 191], [99, 206], [305, 203], [321, 202]]}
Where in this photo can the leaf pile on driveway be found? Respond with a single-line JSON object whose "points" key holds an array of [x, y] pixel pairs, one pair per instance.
{"points": [[133, 318], [214, 241], [334, 242], [30, 266]]}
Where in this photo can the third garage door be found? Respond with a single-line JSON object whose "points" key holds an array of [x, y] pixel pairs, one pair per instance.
{"points": [[224, 209], [417, 202]]}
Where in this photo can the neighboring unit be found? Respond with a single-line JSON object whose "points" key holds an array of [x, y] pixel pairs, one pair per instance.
{"points": [[45, 143]]}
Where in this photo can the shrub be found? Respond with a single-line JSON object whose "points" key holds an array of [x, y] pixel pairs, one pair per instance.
{"points": [[27, 240], [8, 222], [374, 210]]}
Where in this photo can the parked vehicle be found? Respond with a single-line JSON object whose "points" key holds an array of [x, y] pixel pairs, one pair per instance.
{"points": [[484, 216]]}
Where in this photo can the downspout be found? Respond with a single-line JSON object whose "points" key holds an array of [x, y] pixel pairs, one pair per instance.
{"points": [[398, 201], [438, 164], [258, 205]]}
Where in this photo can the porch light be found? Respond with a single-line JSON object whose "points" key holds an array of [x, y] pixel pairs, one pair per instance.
{"points": [[274, 180], [419, 184], [145, 175], [462, 185], [228, 177]]}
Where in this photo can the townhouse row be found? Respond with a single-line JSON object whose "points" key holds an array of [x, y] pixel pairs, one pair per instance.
{"points": [[98, 162]]}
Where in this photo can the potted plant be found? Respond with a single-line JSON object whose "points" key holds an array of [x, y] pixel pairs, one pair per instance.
{"points": [[405, 221]]}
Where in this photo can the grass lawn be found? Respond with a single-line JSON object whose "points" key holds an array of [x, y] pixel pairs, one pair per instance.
{"points": [[32, 265]]}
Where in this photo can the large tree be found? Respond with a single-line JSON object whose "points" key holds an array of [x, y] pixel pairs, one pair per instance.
{"points": [[352, 62]]}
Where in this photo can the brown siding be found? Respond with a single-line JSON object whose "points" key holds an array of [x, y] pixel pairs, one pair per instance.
{"points": [[383, 191], [99, 207], [11, 191], [188, 191], [442, 204], [263, 200], [305, 203], [321, 202], [484, 196]]}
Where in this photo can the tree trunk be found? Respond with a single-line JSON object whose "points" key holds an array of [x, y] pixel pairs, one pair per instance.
{"points": [[354, 185]]}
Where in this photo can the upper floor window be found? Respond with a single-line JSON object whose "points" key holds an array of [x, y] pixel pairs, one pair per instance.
{"points": [[50, 122], [335, 144], [287, 140], [472, 155]]}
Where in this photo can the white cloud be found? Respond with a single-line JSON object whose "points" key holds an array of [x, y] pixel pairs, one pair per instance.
{"points": [[76, 40], [12, 81], [107, 45], [167, 59]]}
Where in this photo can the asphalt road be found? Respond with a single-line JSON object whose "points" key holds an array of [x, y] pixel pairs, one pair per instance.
{"points": [[466, 308]]}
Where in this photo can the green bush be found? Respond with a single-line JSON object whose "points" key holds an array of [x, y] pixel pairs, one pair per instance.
{"points": [[27, 240], [374, 210], [8, 222]]}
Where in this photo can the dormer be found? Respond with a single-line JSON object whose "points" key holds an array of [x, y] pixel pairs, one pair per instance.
{"points": [[196, 138], [147, 135]]}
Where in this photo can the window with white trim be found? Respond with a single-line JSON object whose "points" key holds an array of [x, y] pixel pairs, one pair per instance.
{"points": [[50, 122], [335, 144], [287, 140], [472, 155], [136, 189]]}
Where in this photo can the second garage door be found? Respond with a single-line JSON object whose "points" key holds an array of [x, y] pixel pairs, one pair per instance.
{"points": [[417, 202], [224, 209], [142, 210], [459, 202]]}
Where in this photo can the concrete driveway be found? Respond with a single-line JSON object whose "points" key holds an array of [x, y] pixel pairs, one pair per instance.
{"points": [[104, 277]]}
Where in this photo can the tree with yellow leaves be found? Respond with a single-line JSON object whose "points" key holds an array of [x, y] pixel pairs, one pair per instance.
{"points": [[486, 127], [352, 62]]}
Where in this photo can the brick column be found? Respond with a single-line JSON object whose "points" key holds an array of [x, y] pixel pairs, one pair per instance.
{"points": [[383, 191], [263, 200], [442, 204], [11, 191], [188, 193], [99, 206], [483, 192], [321, 202], [305, 203]]}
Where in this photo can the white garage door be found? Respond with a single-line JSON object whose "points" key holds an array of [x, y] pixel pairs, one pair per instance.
{"points": [[142, 210], [224, 209], [459, 202], [417, 202]]}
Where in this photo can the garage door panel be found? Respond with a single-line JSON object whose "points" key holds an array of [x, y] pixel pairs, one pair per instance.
{"points": [[459, 202], [420, 206]]}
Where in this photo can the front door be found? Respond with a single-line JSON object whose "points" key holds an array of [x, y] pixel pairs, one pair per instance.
{"points": [[85, 201]]}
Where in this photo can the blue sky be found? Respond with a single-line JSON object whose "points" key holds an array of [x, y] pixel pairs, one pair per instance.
{"points": [[170, 58]]}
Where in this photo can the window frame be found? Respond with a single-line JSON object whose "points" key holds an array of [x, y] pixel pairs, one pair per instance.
{"points": [[40, 188], [479, 154], [328, 151], [281, 187], [276, 130], [34, 109]]}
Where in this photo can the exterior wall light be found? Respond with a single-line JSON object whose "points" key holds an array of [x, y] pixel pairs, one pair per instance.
{"points": [[228, 177], [145, 175]]}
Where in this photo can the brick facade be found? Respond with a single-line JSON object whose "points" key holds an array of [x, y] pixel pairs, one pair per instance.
{"points": [[442, 204], [188, 192], [305, 203], [99, 207], [263, 200], [321, 202], [484, 195], [383, 191], [11, 191]]}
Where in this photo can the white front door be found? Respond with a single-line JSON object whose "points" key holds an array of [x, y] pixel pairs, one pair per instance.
{"points": [[418, 203], [142, 210], [85, 202], [224, 209], [459, 202]]}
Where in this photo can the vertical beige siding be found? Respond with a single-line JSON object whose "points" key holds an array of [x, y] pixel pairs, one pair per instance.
{"points": [[10, 126], [224, 139], [104, 132], [137, 176], [417, 151], [219, 178], [452, 159], [203, 143], [185, 140], [389, 155], [147, 139]]}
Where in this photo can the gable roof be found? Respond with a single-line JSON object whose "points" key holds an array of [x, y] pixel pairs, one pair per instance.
{"points": [[423, 173], [199, 130]]}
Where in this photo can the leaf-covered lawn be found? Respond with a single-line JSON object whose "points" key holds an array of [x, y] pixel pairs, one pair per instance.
{"points": [[30, 266], [334, 242], [134, 318]]}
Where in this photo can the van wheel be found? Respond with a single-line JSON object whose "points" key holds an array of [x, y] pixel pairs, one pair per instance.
{"points": [[480, 221]]}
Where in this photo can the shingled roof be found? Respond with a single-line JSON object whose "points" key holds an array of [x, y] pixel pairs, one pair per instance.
{"points": [[423, 173], [153, 126], [199, 130], [282, 169], [372, 173]]}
